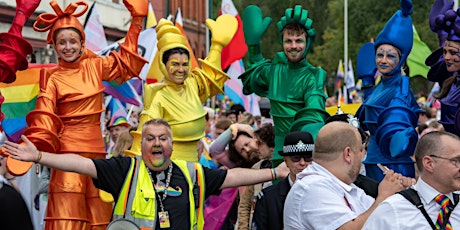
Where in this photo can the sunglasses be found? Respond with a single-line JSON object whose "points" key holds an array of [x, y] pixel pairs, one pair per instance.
{"points": [[296, 158]]}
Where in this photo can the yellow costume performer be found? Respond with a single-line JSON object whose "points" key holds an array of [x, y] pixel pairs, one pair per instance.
{"points": [[68, 110], [182, 104]]}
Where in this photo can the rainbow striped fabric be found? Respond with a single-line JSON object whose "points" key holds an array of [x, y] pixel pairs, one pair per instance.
{"points": [[20, 98]]}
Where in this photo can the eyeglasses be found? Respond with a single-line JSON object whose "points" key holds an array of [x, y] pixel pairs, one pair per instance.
{"points": [[455, 161], [296, 158]]}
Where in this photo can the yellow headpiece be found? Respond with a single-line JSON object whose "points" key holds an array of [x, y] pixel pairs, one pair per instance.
{"points": [[169, 37], [61, 20]]}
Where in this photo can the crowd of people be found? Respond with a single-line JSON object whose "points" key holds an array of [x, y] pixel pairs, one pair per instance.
{"points": [[176, 164]]}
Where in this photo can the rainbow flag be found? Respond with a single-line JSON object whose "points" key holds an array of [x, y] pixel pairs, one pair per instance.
{"points": [[126, 92], [118, 114], [20, 99]]}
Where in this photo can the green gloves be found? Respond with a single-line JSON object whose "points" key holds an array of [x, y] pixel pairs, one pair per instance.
{"points": [[254, 25]]}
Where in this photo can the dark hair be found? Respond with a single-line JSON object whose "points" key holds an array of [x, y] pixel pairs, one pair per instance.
{"points": [[172, 51], [266, 133], [445, 86], [296, 27], [236, 109], [223, 123], [236, 157]]}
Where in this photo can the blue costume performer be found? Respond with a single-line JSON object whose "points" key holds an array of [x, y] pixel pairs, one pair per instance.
{"points": [[445, 62], [390, 111]]}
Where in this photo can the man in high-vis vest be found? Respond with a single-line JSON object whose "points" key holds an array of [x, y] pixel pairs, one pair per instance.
{"points": [[152, 191]]}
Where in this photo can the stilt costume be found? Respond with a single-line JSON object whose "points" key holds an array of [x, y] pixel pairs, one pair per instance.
{"points": [[68, 110]]}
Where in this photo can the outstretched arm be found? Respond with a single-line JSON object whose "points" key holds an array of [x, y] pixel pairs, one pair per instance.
{"points": [[64, 162], [241, 176]]}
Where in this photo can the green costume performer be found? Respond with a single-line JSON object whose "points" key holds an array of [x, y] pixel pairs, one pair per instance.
{"points": [[294, 86]]}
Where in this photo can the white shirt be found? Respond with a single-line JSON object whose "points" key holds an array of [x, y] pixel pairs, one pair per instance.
{"points": [[396, 212], [319, 200]]}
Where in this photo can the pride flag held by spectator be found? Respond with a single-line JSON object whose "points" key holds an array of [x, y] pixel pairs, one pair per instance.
{"points": [[118, 114], [20, 98]]}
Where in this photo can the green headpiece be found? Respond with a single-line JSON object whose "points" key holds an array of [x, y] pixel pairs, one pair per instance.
{"points": [[300, 16]]}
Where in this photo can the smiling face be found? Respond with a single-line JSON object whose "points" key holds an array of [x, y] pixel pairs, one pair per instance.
{"points": [[294, 44], [386, 58], [156, 146], [451, 52], [445, 168], [68, 45], [178, 68], [247, 147]]}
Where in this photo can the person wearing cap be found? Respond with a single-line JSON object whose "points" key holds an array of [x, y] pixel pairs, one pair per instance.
{"points": [[444, 62], [152, 190], [116, 125], [294, 87], [324, 196], [179, 98], [298, 154], [68, 109], [390, 112]]}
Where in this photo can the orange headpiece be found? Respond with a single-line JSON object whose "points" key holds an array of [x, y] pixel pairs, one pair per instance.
{"points": [[61, 20]]}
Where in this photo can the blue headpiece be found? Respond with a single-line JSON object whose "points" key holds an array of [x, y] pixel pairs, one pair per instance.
{"points": [[398, 32]]}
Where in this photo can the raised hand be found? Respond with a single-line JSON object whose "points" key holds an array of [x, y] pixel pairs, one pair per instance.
{"points": [[254, 25], [223, 29], [137, 8], [27, 7]]}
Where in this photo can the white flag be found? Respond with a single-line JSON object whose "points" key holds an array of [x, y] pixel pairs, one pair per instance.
{"points": [[94, 31]]}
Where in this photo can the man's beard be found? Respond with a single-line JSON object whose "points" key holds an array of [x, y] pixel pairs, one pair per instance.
{"points": [[253, 158]]}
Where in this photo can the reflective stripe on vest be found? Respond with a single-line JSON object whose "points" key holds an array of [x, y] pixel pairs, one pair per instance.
{"points": [[195, 195], [143, 214]]}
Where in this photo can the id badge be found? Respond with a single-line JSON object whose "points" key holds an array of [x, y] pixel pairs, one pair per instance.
{"points": [[164, 219]]}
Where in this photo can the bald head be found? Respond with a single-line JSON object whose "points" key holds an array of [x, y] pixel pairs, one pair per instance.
{"points": [[333, 138]]}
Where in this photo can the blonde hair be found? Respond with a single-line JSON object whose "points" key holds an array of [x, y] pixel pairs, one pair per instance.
{"points": [[246, 118]]}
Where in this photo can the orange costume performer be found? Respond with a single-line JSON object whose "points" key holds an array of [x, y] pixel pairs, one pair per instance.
{"points": [[68, 110]]}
